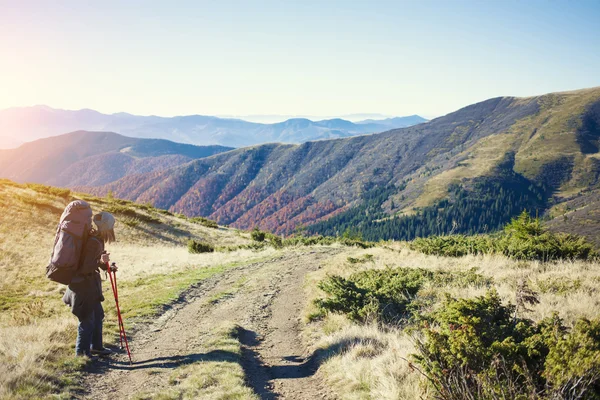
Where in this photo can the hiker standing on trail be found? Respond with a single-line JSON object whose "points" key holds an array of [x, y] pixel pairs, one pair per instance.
{"points": [[84, 293]]}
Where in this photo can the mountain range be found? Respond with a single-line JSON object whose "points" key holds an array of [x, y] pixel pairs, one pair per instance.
{"points": [[31, 123], [469, 171], [95, 158]]}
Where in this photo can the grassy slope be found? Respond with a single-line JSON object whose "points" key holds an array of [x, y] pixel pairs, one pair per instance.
{"points": [[370, 362], [37, 331], [538, 140]]}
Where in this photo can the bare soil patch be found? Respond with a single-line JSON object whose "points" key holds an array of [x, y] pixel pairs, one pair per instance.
{"points": [[265, 299]]}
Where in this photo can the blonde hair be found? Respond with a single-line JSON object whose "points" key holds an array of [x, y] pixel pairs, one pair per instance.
{"points": [[107, 236]]}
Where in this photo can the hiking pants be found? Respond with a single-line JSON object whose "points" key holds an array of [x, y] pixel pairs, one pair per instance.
{"points": [[89, 332]]}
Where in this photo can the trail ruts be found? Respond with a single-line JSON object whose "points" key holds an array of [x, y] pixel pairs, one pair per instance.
{"points": [[267, 307]]}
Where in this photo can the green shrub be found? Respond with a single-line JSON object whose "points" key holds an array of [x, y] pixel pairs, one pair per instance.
{"points": [[572, 367], [363, 259], [560, 286], [479, 349], [356, 243], [250, 246], [275, 240], [146, 207], [455, 245], [54, 191], [94, 199], [131, 222], [524, 238], [258, 235], [129, 214], [121, 210], [301, 240], [38, 202], [204, 222], [388, 294], [196, 247]]}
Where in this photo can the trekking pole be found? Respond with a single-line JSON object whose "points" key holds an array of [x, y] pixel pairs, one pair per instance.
{"points": [[122, 335], [116, 296], [113, 283]]}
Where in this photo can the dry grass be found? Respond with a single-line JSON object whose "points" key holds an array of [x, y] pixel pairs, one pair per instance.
{"points": [[367, 362], [372, 363], [37, 331], [219, 375]]}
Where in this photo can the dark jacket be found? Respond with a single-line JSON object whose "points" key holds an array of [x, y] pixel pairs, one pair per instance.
{"points": [[85, 290]]}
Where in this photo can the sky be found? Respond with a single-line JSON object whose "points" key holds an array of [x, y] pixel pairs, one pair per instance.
{"points": [[292, 57]]}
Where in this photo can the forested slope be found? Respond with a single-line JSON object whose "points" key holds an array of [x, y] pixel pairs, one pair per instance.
{"points": [[477, 167]]}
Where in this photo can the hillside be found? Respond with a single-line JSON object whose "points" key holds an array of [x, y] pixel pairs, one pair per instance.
{"points": [[471, 170], [31, 123], [94, 158], [302, 318], [579, 215]]}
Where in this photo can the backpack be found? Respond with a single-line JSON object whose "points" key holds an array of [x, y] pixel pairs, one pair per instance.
{"points": [[71, 235]]}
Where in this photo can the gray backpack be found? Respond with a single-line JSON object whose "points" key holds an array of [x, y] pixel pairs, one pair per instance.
{"points": [[71, 235]]}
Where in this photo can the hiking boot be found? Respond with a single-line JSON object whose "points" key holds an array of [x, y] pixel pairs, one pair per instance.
{"points": [[103, 352]]}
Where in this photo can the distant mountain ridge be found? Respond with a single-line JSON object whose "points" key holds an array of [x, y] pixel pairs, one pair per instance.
{"points": [[31, 123], [95, 158]]}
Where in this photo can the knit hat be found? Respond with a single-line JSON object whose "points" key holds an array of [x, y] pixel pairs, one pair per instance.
{"points": [[106, 224]]}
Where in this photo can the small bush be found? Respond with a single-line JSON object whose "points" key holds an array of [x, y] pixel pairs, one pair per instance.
{"points": [[38, 202], [479, 349], [250, 246], [455, 245], [146, 207], [389, 294], [258, 235], [363, 259], [560, 286], [130, 213], [204, 222], [54, 191], [131, 222], [121, 210], [196, 247], [275, 240]]}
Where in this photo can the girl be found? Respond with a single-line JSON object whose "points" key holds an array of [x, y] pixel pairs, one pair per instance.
{"points": [[84, 294]]}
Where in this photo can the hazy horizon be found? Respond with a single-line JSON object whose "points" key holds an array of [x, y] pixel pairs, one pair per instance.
{"points": [[257, 118]]}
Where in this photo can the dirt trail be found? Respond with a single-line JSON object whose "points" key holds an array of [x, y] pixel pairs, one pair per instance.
{"points": [[267, 306]]}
